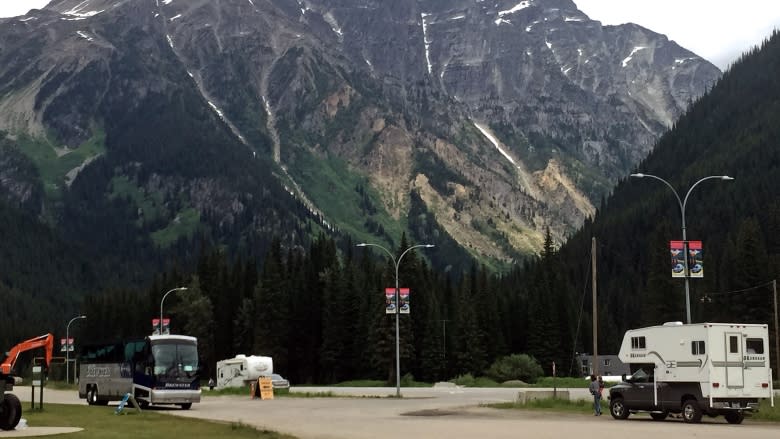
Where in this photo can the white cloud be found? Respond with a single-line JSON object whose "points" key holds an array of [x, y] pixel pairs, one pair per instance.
{"points": [[717, 30], [14, 8]]}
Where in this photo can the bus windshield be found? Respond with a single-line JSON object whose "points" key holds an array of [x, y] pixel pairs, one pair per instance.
{"points": [[174, 358]]}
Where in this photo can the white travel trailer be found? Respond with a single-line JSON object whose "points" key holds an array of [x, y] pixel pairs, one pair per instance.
{"points": [[695, 369], [242, 370]]}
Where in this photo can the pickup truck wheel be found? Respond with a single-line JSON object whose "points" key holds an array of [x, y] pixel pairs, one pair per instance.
{"points": [[659, 416], [617, 409], [734, 417], [10, 412], [186, 406], [691, 412]]}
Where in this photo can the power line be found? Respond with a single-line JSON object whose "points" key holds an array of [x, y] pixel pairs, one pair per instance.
{"points": [[744, 290]]}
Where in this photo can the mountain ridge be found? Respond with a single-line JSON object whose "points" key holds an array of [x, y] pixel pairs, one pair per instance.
{"points": [[300, 88]]}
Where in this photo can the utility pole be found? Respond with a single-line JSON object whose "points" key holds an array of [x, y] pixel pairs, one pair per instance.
{"points": [[777, 339], [595, 309], [444, 336]]}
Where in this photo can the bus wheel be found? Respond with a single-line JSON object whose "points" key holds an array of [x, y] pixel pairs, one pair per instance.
{"points": [[92, 396], [185, 406]]}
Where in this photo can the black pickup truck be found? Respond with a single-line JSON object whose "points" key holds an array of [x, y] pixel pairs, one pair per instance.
{"points": [[638, 393]]}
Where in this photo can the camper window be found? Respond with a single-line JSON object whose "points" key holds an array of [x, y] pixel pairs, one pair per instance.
{"points": [[637, 343], [697, 347], [754, 346], [733, 344]]}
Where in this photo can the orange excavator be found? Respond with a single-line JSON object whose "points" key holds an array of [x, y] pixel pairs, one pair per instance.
{"points": [[10, 406]]}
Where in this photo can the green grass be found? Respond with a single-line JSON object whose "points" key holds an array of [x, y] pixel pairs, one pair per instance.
{"points": [[53, 169], [564, 382], [767, 412], [101, 423], [185, 224], [332, 188], [152, 204], [362, 383]]}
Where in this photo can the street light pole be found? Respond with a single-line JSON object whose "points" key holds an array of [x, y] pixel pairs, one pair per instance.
{"points": [[67, 347], [397, 308], [682, 205], [163, 300]]}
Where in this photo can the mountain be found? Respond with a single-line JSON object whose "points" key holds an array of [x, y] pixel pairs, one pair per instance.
{"points": [[148, 125]]}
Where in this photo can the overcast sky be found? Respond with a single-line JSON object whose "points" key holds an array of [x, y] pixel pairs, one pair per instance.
{"points": [[718, 30]]}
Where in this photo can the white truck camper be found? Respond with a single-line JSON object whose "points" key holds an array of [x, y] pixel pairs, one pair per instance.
{"points": [[243, 370], [695, 369]]}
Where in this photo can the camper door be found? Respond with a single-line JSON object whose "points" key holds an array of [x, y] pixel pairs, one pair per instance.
{"points": [[734, 369]]}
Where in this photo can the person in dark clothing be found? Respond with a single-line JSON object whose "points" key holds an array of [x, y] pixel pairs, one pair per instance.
{"points": [[595, 390]]}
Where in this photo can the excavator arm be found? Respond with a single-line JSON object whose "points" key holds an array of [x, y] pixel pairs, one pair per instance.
{"points": [[44, 341]]}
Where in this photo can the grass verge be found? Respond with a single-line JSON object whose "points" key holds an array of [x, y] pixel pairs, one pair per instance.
{"points": [[101, 423]]}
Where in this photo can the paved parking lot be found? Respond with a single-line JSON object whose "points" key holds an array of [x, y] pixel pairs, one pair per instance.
{"points": [[433, 413]]}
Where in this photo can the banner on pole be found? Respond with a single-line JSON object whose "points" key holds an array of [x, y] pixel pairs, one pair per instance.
{"points": [[403, 298], [677, 250], [695, 259], [389, 300], [166, 326], [67, 344]]}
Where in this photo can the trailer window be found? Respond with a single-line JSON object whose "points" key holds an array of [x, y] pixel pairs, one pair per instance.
{"points": [[733, 345], [697, 347], [754, 346], [637, 342]]}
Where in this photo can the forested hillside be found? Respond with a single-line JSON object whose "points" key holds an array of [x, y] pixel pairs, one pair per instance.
{"points": [[733, 130]]}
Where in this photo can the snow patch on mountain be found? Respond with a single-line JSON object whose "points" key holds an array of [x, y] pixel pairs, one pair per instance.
{"points": [[631, 55]]}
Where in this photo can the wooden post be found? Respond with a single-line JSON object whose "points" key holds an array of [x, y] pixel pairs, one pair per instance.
{"points": [[595, 310]]}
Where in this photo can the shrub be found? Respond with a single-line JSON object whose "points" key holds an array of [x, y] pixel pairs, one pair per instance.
{"points": [[515, 367]]}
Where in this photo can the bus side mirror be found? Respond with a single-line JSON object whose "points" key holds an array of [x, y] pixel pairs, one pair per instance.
{"points": [[623, 377]]}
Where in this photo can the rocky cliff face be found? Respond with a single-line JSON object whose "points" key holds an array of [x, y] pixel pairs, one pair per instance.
{"points": [[506, 117]]}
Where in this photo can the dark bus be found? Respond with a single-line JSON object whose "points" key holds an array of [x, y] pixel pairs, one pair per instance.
{"points": [[157, 369]]}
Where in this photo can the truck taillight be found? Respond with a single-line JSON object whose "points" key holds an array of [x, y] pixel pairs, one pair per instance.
{"points": [[716, 385], [764, 385]]}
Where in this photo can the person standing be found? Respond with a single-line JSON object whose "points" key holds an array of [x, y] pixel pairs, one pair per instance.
{"points": [[595, 390]]}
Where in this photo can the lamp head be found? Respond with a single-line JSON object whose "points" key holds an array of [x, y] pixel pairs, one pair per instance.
{"points": [[362, 244], [82, 317], [726, 177], [429, 245], [638, 175]]}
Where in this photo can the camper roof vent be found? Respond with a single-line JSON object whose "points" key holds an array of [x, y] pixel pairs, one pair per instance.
{"points": [[240, 356], [673, 324]]}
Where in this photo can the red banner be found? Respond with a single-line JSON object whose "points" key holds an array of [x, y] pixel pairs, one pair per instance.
{"points": [[403, 298], [166, 326], [695, 259]]}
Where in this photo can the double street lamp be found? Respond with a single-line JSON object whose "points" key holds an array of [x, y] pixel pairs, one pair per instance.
{"points": [[67, 347], [682, 204], [161, 305], [397, 307]]}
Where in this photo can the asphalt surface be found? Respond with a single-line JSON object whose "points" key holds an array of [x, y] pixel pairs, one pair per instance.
{"points": [[450, 413]]}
